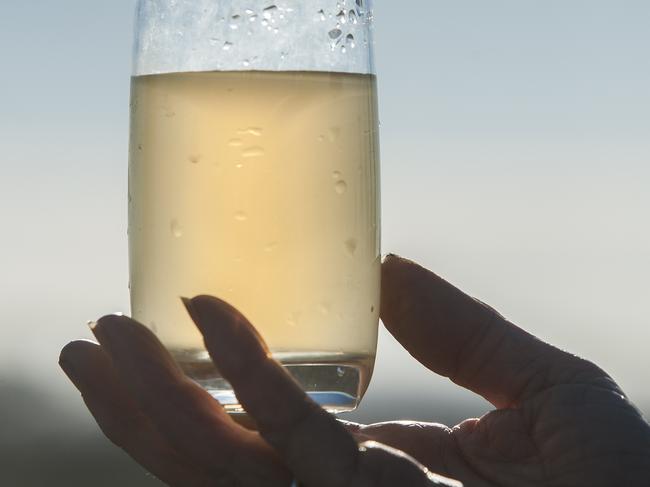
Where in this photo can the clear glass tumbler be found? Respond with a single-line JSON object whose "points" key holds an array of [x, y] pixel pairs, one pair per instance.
{"points": [[254, 177]]}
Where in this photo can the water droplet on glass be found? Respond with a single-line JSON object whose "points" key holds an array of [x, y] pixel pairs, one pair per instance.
{"points": [[252, 18], [341, 187], [235, 142], [240, 216], [271, 247], [336, 175], [235, 20], [195, 158], [256, 131], [177, 229], [344, 49], [321, 15], [360, 3], [227, 45], [350, 41], [340, 371], [335, 33], [246, 63], [334, 133], [352, 17], [214, 41], [239, 165], [269, 12], [253, 152], [294, 319], [249, 11], [351, 245], [140, 147], [341, 18], [265, 22]]}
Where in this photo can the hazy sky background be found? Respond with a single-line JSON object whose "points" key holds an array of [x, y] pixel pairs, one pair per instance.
{"points": [[516, 164]]}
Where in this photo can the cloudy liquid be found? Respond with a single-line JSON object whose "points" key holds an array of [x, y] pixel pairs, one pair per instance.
{"points": [[260, 188]]}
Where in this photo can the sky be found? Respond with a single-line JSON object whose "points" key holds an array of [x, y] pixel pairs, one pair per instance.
{"points": [[515, 143]]}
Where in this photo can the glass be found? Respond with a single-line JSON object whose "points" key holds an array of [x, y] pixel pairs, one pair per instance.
{"points": [[254, 177]]}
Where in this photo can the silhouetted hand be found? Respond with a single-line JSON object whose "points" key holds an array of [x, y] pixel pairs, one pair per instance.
{"points": [[560, 421]]}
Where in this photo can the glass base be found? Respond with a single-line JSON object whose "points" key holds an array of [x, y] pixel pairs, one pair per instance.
{"points": [[336, 381]]}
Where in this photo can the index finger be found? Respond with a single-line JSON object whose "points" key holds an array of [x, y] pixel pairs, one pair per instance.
{"points": [[461, 338], [314, 445]]}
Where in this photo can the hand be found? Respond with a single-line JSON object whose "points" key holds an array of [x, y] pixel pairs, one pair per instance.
{"points": [[560, 421]]}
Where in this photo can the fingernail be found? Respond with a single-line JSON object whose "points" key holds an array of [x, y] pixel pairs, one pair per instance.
{"points": [[206, 318], [69, 368], [112, 331], [69, 362], [230, 338], [187, 302]]}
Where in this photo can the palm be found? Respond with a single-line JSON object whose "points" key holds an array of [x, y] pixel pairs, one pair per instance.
{"points": [[560, 420], [551, 440]]}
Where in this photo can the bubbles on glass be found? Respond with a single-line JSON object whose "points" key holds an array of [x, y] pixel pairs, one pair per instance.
{"points": [[176, 228], [240, 216], [269, 12], [270, 247], [254, 151], [227, 45], [294, 318], [235, 21], [335, 33], [351, 245], [341, 187], [334, 133]]}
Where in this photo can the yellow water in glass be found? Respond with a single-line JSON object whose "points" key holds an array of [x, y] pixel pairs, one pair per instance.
{"points": [[260, 188]]}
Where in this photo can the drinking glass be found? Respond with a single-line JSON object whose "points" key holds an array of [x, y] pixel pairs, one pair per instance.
{"points": [[254, 177]]}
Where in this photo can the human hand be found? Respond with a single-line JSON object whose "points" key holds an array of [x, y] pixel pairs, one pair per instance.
{"points": [[560, 421]]}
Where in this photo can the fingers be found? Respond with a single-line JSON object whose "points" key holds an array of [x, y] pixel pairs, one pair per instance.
{"points": [[91, 371], [458, 337], [314, 445], [186, 415]]}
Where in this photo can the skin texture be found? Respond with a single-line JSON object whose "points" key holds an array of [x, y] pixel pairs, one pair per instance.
{"points": [[559, 421]]}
